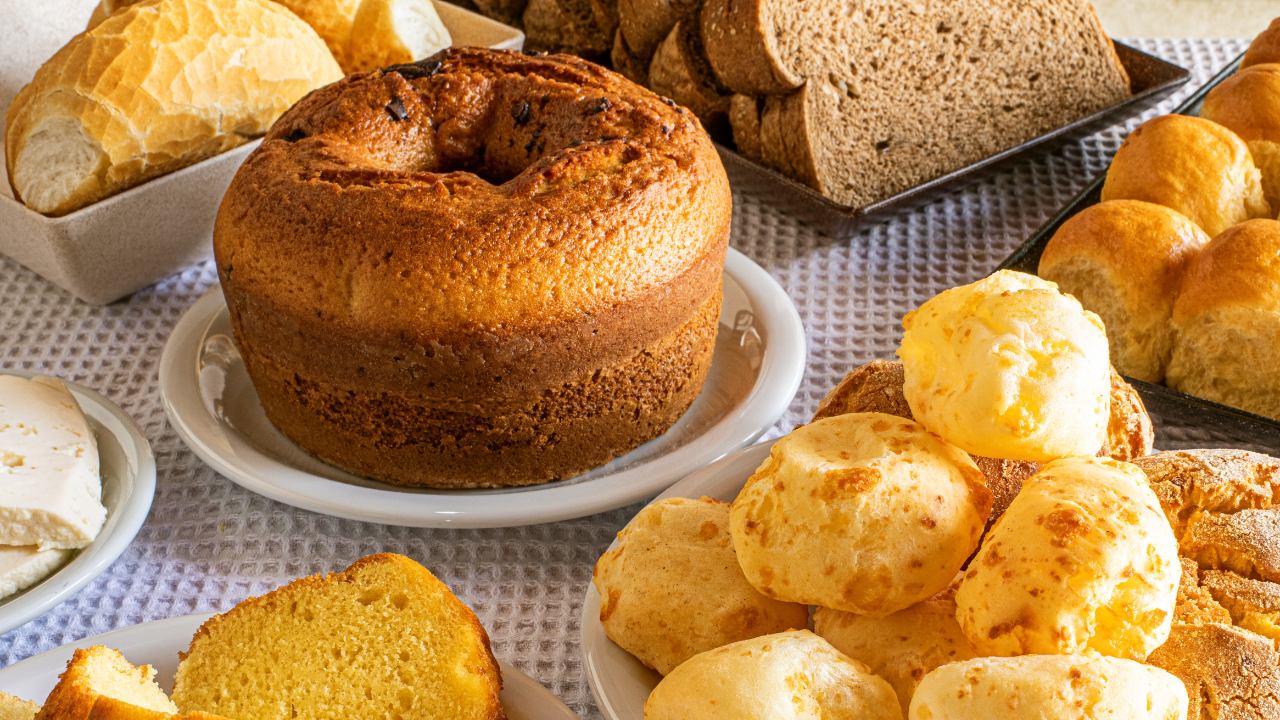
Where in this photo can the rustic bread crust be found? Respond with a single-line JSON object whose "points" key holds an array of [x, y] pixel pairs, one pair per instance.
{"points": [[741, 41]]}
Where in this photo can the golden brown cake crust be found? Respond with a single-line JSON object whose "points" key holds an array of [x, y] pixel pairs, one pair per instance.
{"points": [[477, 236]]}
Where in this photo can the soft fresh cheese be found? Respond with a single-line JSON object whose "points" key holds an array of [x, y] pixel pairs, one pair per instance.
{"points": [[22, 567], [50, 489]]}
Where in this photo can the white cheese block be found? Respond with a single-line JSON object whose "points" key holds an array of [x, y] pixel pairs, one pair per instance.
{"points": [[22, 567], [50, 489]]}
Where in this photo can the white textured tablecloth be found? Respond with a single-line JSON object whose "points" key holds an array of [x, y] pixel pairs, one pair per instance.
{"points": [[208, 543]]}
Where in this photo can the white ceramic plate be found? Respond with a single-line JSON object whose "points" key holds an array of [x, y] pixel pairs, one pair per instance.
{"points": [[619, 682], [158, 643], [759, 360], [128, 485]]}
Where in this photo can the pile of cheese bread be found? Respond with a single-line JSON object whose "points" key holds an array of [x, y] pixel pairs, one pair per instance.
{"points": [[50, 486], [859, 102], [1180, 257], [154, 86], [382, 639], [978, 531]]}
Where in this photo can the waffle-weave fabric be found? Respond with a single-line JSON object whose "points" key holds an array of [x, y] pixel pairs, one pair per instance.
{"points": [[209, 543]]}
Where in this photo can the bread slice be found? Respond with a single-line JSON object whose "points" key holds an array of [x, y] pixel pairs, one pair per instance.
{"points": [[606, 16], [391, 32], [744, 120], [507, 11], [153, 88], [15, 708], [880, 97], [624, 61], [680, 72], [100, 684], [646, 23], [564, 26], [382, 639]]}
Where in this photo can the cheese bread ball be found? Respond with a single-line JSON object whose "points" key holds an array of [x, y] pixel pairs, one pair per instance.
{"points": [[1049, 687], [788, 676], [1008, 367], [903, 647], [671, 587], [1082, 561], [865, 512]]}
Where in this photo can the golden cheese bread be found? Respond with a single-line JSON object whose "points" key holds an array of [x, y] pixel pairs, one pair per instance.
{"points": [[383, 638], [1057, 687], [154, 88], [510, 273], [671, 587], [1008, 367], [1226, 321], [1248, 104], [877, 387], [867, 512], [1224, 506], [902, 647], [1192, 165], [1265, 47], [1124, 260], [794, 675], [1082, 561]]}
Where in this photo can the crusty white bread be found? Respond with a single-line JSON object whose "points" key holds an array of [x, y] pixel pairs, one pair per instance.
{"points": [[153, 88], [1124, 260], [1265, 48], [1248, 104], [391, 32], [879, 99], [1190, 164], [382, 639], [15, 708], [1227, 321]]}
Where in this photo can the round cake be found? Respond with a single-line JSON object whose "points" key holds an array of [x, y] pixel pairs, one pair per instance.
{"points": [[483, 269]]}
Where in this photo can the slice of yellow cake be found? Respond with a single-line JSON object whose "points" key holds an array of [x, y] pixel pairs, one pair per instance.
{"points": [[13, 707], [100, 684], [382, 639]]}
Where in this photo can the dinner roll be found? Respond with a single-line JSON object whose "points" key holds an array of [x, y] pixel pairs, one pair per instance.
{"points": [[1082, 561], [1227, 321], [1265, 48], [788, 676], [671, 587], [1049, 687], [1192, 165], [1124, 260], [1248, 104], [1009, 367], [903, 647], [866, 512]]}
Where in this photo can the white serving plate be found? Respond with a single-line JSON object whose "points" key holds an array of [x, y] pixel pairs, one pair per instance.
{"points": [[758, 363], [126, 242], [158, 643], [128, 485], [619, 682]]}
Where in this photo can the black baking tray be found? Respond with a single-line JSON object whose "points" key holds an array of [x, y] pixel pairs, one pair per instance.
{"points": [[1151, 79], [1180, 418]]}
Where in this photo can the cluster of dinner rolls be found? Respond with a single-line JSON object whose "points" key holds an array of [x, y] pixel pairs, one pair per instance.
{"points": [[1180, 257], [1009, 367]]}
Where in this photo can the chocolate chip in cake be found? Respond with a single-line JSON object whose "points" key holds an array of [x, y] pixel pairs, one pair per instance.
{"points": [[294, 135], [520, 112], [413, 71], [396, 109], [601, 105]]}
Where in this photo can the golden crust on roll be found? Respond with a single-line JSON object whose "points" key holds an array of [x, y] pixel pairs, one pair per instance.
{"points": [[671, 587], [1124, 260], [867, 512], [1248, 104], [1193, 165], [1082, 561], [1052, 687], [903, 647], [877, 387], [1009, 367], [787, 676], [1265, 48], [1227, 321]]}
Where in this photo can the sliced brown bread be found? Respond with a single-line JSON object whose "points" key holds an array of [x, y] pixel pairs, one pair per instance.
{"points": [[744, 119], [883, 97], [631, 66], [564, 26], [606, 16], [679, 71], [507, 11], [382, 639], [646, 23]]}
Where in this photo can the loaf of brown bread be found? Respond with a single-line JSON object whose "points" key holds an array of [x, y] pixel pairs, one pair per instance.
{"points": [[882, 99], [679, 71]]}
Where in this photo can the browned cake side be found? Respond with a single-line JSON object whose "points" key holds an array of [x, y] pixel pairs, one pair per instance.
{"points": [[484, 269]]}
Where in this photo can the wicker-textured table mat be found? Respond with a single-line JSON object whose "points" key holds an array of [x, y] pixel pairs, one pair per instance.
{"points": [[208, 543]]}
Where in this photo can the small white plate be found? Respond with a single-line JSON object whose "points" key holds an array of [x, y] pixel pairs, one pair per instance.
{"points": [[158, 643], [128, 485], [619, 682], [758, 363]]}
